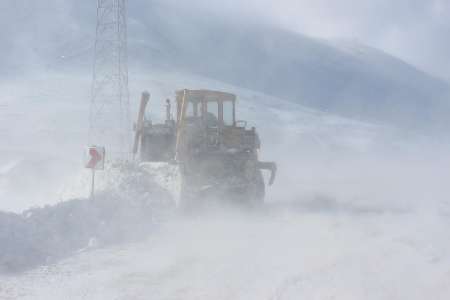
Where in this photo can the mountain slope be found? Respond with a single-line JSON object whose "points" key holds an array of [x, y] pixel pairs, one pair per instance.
{"points": [[351, 80], [368, 84]]}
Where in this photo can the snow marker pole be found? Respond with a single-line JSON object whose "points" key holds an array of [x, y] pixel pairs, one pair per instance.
{"points": [[92, 185]]}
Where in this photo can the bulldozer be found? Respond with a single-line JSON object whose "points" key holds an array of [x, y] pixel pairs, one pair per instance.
{"points": [[216, 154]]}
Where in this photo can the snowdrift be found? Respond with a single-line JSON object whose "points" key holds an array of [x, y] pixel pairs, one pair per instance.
{"points": [[126, 210]]}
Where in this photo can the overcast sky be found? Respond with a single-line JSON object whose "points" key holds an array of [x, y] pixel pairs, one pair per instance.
{"points": [[417, 31]]}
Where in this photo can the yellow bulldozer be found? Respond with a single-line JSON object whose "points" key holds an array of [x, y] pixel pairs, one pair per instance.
{"points": [[216, 154]]}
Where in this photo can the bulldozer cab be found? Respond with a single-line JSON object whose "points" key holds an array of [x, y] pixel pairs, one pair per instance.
{"points": [[208, 119], [210, 108]]}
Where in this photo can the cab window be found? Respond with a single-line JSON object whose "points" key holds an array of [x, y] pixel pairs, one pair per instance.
{"points": [[212, 114], [228, 116], [190, 109]]}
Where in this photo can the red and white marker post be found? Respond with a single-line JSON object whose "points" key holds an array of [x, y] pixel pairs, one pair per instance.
{"points": [[95, 161]]}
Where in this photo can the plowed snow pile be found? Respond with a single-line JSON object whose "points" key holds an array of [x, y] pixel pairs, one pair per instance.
{"points": [[128, 209]]}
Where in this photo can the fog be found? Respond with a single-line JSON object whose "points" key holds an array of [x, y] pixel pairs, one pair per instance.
{"points": [[350, 99], [412, 30]]}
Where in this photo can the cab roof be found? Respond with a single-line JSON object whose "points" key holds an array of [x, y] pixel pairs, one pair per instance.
{"points": [[205, 95]]}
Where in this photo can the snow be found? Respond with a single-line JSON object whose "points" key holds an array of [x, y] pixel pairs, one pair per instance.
{"points": [[50, 108], [358, 211], [280, 254]]}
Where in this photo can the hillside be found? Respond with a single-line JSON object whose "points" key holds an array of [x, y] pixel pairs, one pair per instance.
{"points": [[344, 78]]}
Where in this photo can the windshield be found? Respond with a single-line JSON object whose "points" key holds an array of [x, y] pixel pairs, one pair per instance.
{"points": [[212, 115], [228, 113]]}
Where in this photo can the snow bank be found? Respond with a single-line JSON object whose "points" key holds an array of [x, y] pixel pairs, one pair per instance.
{"points": [[127, 210]]}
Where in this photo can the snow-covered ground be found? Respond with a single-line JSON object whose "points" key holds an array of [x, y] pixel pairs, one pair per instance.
{"points": [[286, 253], [358, 211]]}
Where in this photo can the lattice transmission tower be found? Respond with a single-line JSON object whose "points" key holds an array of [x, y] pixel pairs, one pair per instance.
{"points": [[110, 109]]}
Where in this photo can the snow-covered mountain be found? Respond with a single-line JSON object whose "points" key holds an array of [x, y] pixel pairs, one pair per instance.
{"points": [[346, 78]]}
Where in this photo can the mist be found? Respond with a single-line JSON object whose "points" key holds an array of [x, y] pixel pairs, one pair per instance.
{"points": [[350, 99]]}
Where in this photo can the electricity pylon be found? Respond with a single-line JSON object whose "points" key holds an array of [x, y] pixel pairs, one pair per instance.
{"points": [[109, 117]]}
